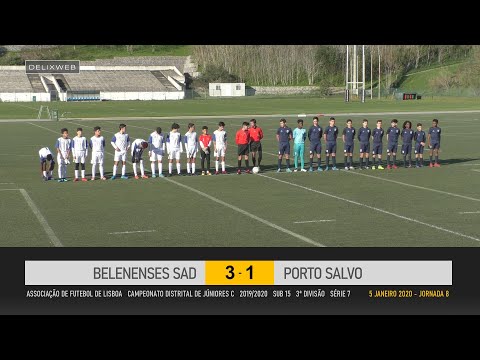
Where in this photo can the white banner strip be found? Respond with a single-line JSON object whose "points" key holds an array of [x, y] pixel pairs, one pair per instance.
{"points": [[363, 272], [114, 272]]}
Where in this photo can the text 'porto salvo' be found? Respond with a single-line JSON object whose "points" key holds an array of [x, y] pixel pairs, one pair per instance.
{"points": [[144, 273], [316, 272]]}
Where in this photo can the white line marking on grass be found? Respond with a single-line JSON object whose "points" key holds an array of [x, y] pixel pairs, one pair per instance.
{"points": [[43, 127], [246, 213], [131, 232], [311, 221], [8, 189], [469, 165], [416, 186], [53, 238], [469, 212], [475, 170], [15, 155], [372, 208], [7, 183]]}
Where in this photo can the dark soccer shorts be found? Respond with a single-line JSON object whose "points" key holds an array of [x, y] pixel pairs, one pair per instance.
{"points": [[392, 147], [435, 146], [377, 149], [406, 149], [330, 148], [137, 156], [284, 148], [243, 149], [315, 148], [348, 148], [364, 148], [255, 146], [419, 148]]}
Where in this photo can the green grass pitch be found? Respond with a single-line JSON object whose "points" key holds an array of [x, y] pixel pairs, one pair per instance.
{"points": [[404, 207]]}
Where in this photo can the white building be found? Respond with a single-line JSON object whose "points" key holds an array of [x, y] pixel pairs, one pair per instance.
{"points": [[226, 89]]}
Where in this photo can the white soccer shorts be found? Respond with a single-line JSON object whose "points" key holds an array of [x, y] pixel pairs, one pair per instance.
{"points": [[61, 160], [156, 156], [191, 154], [174, 154], [97, 158], [79, 158], [120, 156], [220, 152]]}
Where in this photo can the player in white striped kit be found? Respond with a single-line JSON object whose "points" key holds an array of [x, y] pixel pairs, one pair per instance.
{"points": [[156, 150], [46, 155], [220, 146], [63, 145], [121, 144], [80, 153], [174, 148], [191, 148], [97, 144], [137, 151]]}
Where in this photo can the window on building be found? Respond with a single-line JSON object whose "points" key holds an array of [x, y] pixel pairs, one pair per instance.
{"points": [[238, 87], [217, 87]]}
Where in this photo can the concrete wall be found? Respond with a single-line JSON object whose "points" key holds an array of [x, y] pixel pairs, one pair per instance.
{"points": [[12, 97], [171, 95], [226, 89]]}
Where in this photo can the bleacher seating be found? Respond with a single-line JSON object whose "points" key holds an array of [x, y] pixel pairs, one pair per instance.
{"points": [[14, 81]]}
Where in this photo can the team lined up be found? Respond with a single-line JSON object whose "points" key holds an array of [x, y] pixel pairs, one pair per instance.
{"points": [[248, 140], [330, 134]]}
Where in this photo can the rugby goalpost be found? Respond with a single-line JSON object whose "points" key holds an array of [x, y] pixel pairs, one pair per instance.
{"points": [[42, 110], [353, 86]]}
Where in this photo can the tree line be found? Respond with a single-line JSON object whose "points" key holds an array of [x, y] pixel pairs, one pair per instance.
{"points": [[276, 65]]}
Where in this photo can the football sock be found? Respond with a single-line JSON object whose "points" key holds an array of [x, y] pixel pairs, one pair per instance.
{"points": [[193, 168], [430, 159], [101, 170], [405, 160], [123, 170], [328, 160], [436, 159], [311, 162], [394, 159], [93, 169], [142, 169], [114, 170], [152, 166], [345, 160], [160, 168], [388, 160], [239, 164], [288, 162], [45, 173], [134, 169], [334, 161], [247, 164], [76, 174], [254, 161], [368, 161], [188, 168], [216, 165], [223, 165], [83, 174], [279, 163], [178, 168], [170, 166]]}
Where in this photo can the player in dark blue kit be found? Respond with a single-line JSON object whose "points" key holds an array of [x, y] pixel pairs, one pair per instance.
{"points": [[393, 133], [348, 136], [420, 139], [364, 137], [377, 135], [284, 135], [407, 138], [315, 135], [433, 140], [330, 138]]}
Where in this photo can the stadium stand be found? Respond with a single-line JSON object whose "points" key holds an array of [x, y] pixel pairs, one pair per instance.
{"points": [[14, 81]]}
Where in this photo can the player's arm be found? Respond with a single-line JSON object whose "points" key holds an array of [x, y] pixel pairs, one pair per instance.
{"points": [[278, 135], [290, 137], [114, 143], [86, 147], [225, 142], [150, 145], [128, 142], [260, 134], [428, 138], [343, 134]]}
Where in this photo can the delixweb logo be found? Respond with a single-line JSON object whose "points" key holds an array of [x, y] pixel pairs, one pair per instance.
{"points": [[52, 66]]}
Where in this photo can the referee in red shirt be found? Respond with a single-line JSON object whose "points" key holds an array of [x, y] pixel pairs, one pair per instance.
{"points": [[242, 138], [256, 135]]}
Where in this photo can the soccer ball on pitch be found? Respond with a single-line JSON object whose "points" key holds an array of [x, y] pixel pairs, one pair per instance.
{"points": [[255, 170]]}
